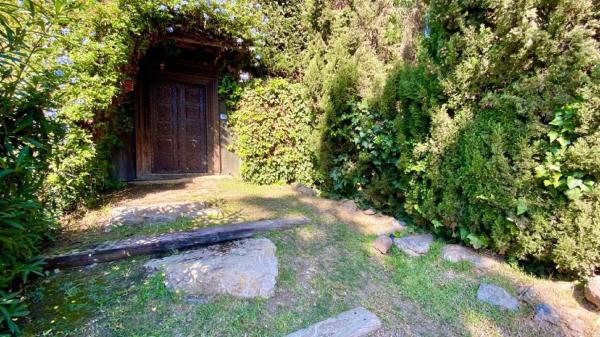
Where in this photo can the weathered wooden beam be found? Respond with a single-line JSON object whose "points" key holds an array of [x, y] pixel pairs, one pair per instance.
{"points": [[122, 249]]}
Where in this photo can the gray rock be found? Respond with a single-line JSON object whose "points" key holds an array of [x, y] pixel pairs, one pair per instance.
{"points": [[245, 268], [544, 314], [414, 245], [528, 295], [456, 253], [383, 243], [357, 322], [387, 225], [158, 213], [592, 290], [196, 300], [497, 296], [305, 190], [349, 205], [369, 211]]}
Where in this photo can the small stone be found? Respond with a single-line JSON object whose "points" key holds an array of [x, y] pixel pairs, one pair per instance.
{"points": [[592, 290], [497, 296], [196, 300], [383, 243], [90, 267], [546, 314], [398, 225], [414, 245], [387, 225], [528, 294], [369, 211], [245, 268], [456, 253], [357, 322], [305, 190], [573, 325], [349, 205]]}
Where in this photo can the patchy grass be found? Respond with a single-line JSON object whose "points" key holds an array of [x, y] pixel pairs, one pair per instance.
{"points": [[325, 268]]}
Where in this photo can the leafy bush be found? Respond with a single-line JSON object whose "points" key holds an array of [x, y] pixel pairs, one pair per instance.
{"points": [[273, 130], [497, 127], [26, 133]]}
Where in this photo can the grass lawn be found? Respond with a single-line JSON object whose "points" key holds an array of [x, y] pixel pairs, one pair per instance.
{"points": [[326, 267]]}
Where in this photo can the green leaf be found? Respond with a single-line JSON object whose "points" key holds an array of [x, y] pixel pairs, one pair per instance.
{"points": [[464, 232], [563, 141], [552, 135], [436, 224], [6, 172], [476, 241], [13, 223], [540, 172], [557, 121], [521, 206], [573, 182], [573, 194]]}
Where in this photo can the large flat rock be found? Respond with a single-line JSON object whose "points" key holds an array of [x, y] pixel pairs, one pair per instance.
{"points": [[158, 213], [245, 268], [357, 322]]}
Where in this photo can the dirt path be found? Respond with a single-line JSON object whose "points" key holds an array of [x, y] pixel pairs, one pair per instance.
{"points": [[325, 268]]}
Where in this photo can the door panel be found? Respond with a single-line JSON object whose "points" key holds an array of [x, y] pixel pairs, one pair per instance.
{"points": [[193, 133], [178, 124], [163, 121]]}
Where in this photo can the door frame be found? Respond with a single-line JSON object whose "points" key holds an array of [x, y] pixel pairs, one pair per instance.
{"points": [[143, 141]]}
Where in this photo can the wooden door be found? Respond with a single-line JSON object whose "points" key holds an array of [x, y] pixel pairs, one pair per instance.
{"points": [[178, 128]]}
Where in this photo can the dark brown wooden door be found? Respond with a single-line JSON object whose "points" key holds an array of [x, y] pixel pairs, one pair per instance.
{"points": [[178, 128]]}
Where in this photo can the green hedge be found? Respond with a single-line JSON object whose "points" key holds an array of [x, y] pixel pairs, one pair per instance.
{"points": [[496, 128], [273, 128]]}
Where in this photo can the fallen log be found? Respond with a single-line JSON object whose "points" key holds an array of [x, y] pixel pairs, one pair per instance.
{"points": [[123, 249]]}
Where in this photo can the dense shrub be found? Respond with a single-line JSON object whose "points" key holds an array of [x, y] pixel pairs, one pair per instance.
{"points": [[497, 127], [374, 35], [26, 85], [358, 153], [273, 128], [352, 48]]}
